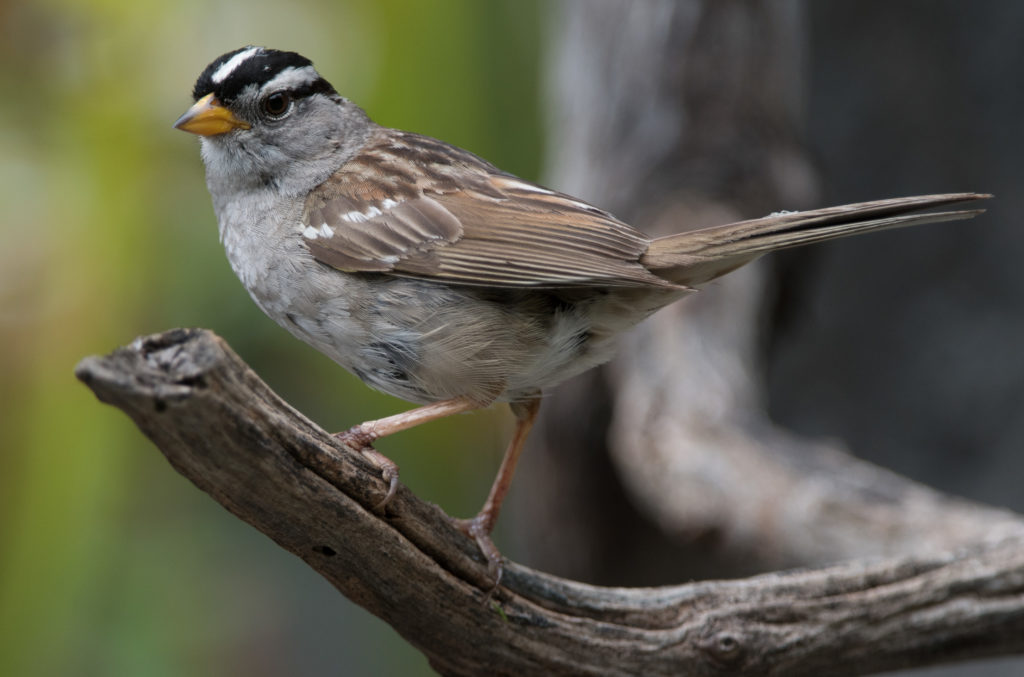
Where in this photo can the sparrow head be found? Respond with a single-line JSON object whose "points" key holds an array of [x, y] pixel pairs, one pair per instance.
{"points": [[265, 115]]}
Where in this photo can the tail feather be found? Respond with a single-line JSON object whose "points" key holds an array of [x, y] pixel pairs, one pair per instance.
{"points": [[698, 256]]}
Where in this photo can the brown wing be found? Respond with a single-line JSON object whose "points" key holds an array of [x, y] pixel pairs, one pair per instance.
{"points": [[414, 206]]}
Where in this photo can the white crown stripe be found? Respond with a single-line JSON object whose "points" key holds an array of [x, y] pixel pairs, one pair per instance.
{"points": [[229, 66], [292, 77]]}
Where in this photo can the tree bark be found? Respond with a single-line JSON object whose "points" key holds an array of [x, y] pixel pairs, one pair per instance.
{"points": [[223, 428]]}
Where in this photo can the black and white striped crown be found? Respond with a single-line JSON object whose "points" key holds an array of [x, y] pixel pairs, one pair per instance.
{"points": [[229, 74]]}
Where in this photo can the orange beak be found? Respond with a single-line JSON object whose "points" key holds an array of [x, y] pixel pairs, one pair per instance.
{"points": [[209, 118]]}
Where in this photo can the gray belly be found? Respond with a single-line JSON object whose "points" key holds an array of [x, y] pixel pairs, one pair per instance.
{"points": [[423, 341]]}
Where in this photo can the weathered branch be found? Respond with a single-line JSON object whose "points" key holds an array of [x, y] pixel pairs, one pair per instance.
{"points": [[224, 429]]}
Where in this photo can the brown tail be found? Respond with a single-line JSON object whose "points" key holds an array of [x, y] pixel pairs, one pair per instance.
{"points": [[697, 256]]}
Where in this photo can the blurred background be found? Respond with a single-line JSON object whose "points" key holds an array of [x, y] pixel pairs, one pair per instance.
{"points": [[112, 564]]}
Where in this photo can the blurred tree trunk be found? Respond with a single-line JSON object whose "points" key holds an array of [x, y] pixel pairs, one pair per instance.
{"points": [[686, 114], [912, 97], [672, 115]]}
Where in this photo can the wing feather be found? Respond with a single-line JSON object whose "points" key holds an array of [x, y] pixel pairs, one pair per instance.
{"points": [[465, 223]]}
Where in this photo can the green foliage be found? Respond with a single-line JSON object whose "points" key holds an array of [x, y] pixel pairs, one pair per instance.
{"points": [[110, 563]]}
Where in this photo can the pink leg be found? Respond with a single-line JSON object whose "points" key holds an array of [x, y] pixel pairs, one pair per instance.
{"points": [[362, 436], [479, 528]]}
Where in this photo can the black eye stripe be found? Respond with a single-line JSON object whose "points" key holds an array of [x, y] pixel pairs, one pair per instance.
{"points": [[318, 86]]}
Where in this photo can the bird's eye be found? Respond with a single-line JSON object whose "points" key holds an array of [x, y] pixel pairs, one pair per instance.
{"points": [[277, 104]]}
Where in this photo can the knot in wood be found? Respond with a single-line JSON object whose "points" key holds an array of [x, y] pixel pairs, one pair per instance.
{"points": [[724, 649]]}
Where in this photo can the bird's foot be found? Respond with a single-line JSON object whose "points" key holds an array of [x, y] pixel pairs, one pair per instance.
{"points": [[479, 529], [362, 438], [358, 436]]}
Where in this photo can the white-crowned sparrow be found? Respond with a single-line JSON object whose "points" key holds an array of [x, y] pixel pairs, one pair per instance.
{"points": [[433, 275]]}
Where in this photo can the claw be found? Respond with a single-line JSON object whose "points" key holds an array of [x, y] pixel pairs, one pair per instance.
{"points": [[390, 475]]}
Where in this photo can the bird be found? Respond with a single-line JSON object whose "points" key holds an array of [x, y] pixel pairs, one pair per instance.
{"points": [[433, 275]]}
